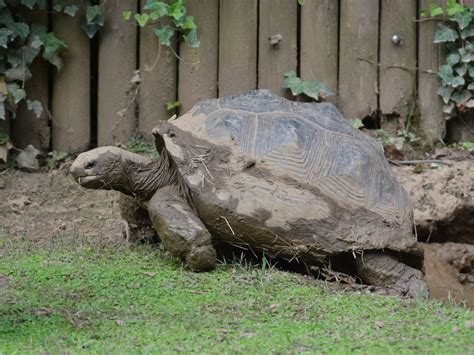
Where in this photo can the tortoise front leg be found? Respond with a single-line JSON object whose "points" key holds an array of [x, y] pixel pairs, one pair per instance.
{"points": [[138, 223], [181, 231], [378, 269]]}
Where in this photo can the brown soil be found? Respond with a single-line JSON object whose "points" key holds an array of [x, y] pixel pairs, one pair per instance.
{"points": [[50, 207]]}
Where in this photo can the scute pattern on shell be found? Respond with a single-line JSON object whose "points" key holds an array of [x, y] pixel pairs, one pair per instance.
{"points": [[307, 142]]}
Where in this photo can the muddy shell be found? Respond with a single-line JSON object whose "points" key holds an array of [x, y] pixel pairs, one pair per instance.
{"points": [[293, 179]]}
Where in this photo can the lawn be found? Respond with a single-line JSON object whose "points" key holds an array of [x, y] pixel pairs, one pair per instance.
{"points": [[84, 297]]}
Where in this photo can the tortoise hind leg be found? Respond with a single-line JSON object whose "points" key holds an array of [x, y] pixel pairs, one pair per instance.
{"points": [[138, 223], [378, 269], [181, 231]]}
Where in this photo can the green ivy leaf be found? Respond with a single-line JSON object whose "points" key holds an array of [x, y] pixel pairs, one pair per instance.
{"points": [[159, 6], [22, 73], [445, 33], [313, 88], [470, 86], [5, 34], [95, 15], [191, 39], [445, 92], [471, 72], [463, 19], [301, 2], [461, 98], [52, 48], [35, 106], [127, 15], [189, 23], [454, 8], [458, 81], [154, 15], [461, 69], [29, 3], [435, 10], [6, 17], [172, 105], [453, 59], [467, 32], [16, 92], [71, 10], [142, 19], [19, 29], [164, 34], [446, 73], [177, 10], [356, 123]]}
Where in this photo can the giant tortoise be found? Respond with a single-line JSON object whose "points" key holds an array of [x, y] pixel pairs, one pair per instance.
{"points": [[256, 171]]}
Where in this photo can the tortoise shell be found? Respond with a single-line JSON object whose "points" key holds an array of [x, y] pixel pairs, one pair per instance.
{"points": [[275, 174]]}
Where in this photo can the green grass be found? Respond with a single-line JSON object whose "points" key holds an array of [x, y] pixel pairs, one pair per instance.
{"points": [[85, 298]]}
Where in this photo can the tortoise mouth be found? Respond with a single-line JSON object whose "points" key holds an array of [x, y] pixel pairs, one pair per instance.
{"points": [[93, 181]]}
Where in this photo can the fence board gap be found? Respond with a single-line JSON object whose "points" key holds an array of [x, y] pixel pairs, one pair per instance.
{"points": [[278, 22], [117, 62], [198, 67], [358, 57]]}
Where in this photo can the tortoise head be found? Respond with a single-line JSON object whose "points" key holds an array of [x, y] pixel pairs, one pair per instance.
{"points": [[99, 168]]}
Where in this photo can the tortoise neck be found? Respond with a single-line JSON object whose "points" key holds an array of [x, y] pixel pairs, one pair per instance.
{"points": [[144, 176]]}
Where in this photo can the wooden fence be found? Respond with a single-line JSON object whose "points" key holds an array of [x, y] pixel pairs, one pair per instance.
{"points": [[96, 99]]}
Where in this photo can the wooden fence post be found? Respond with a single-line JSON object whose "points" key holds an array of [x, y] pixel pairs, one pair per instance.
{"points": [[397, 59], [116, 120], [358, 57], [71, 88], [430, 57], [198, 67], [319, 50], [159, 81], [277, 50], [27, 128], [237, 46]]}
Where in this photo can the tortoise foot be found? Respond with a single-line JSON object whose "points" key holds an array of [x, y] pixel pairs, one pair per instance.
{"points": [[384, 270]]}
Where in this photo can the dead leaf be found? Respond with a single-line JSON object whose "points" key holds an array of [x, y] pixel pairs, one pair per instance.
{"points": [[149, 273], [469, 324], [274, 305], [119, 321], [45, 311]]}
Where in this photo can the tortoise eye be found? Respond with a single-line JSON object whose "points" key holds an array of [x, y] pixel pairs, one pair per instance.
{"points": [[91, 164]]}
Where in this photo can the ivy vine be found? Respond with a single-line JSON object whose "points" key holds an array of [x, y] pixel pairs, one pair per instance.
{"points": [[168, 21], [456, 31], [23, 41]]}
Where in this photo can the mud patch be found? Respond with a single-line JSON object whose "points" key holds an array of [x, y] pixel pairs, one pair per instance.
{"points": [[449, 270]]}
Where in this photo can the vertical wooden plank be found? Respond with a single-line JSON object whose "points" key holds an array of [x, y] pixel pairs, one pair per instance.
{"points": [[117, 62], [71, 87], [198, 67], [159, 80], [27, 128], [277, 18], [397, 85], [237, 46], [319, 42], [358, 57], [430, 57]]}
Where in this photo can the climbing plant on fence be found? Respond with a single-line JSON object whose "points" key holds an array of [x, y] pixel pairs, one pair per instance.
{"points": [[456, 31], [22, 41]]}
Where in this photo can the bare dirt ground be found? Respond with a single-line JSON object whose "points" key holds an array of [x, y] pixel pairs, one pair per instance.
{"points": [[48, 208]]}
